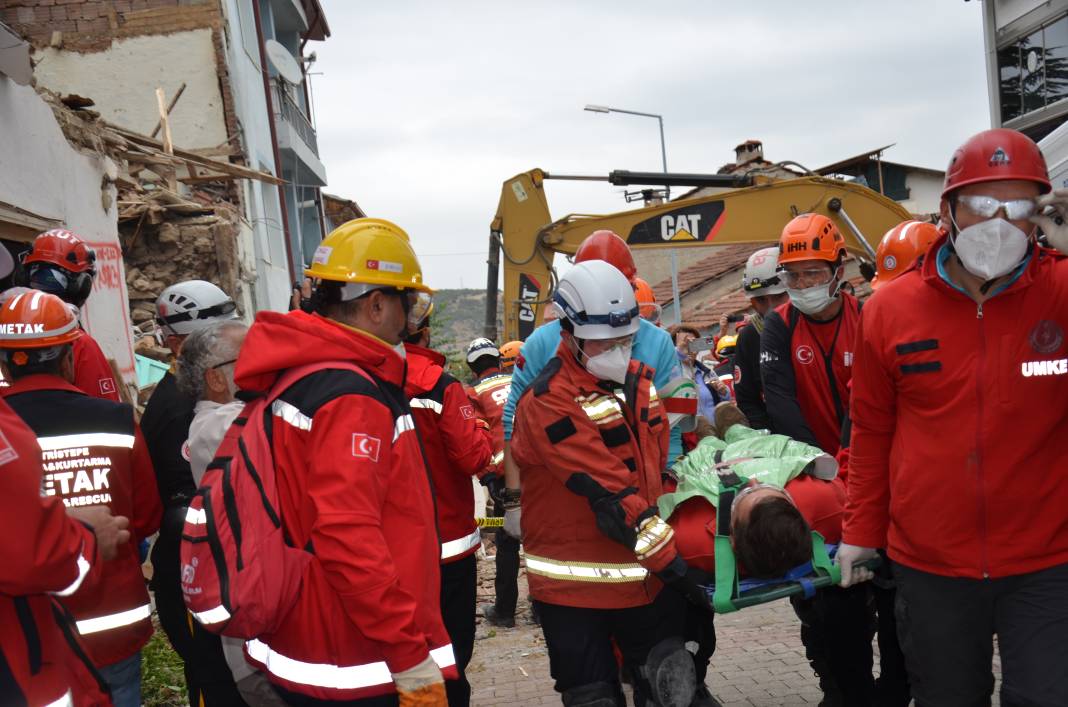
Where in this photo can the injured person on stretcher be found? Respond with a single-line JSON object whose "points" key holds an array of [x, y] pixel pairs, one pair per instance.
{"points": [[775, 491]]}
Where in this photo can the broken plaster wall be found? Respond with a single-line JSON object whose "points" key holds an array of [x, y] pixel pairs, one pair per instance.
{"points": [[41, 172], [181, 248], [122, 81]]}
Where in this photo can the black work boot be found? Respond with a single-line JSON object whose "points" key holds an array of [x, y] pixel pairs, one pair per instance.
{"points": [[489, 611]]}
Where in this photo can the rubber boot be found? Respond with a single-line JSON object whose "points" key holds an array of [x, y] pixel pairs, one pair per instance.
{"points": [[668, 678]]}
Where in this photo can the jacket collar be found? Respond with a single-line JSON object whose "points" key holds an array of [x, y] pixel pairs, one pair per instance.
{"points": [[490, 373], [40, 381], [423, 352]]}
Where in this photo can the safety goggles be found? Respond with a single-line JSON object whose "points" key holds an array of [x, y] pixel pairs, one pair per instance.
{"points": [[811, 277], [987, 206]]}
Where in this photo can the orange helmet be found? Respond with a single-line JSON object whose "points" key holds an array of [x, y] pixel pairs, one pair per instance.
{"points": [[900, 248], [811, 237], [509, 353], [647, 306], [608, 246], [36, 320]]}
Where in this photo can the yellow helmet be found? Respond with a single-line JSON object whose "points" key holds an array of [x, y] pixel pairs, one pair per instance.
{"points": [[368, 251], [724, 343]]}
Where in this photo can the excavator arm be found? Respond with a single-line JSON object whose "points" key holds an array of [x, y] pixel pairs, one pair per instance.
{"points": [[524, 233]]}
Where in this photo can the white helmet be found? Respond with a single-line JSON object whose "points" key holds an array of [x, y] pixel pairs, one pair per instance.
{"points": [[481, 347], [598, 300], [761, 275], [191, 305]]}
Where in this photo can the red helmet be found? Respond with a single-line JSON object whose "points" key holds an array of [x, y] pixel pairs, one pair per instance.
{"points": [[996, 155], [607, 246], [63, 249]]}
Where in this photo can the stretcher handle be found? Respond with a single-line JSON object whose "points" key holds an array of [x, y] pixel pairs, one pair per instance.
{"points": [[761, 596]]}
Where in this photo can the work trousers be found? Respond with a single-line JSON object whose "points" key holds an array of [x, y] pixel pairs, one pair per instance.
{"points": [[295, 700], [459, 586], [837, 627], [946, 626], [579, 642], [207, 674], [506, 579]]}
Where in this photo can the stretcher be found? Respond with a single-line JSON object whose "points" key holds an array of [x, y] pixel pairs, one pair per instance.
{"points": [[729, 592]]}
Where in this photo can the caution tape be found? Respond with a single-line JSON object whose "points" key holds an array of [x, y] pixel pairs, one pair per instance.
{"points": [[489, 522]]}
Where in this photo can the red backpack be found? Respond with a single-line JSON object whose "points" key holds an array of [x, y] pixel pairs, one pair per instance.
{"points": [[241, 573]]}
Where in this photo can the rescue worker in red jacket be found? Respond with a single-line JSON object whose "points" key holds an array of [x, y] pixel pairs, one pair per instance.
{"points": [[590, 462], [63, 264], [352, 482], [457, 446], [41, 662], [93, 455], [488, 395], [806, 348], [959, 399]]}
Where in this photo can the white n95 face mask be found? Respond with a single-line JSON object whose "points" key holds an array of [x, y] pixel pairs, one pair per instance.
{"points": [[610, 365], [811, 300], [990, 249]]}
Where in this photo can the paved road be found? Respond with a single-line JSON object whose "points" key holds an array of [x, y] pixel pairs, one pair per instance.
{"points": [[759, 659]]}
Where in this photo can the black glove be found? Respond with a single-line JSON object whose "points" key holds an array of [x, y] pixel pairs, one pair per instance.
{"points": [[494, 484], [688, 581]]}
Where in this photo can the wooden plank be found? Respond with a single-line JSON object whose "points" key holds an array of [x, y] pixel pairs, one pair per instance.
{"points": [[202, 178], [170, 107], [206, 162]]}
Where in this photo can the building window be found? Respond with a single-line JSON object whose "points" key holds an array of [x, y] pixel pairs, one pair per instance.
{"points": [[1033, 70]]}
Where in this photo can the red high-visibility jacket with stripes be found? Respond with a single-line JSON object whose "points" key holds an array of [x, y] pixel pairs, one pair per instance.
{"points": [[456, 447], [93, 454], [589, 458], [39, 662], [489, 396], [353, 483], [92, 373]]}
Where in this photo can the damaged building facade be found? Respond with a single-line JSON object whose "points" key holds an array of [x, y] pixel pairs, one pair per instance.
{"points": [[227, 187]]}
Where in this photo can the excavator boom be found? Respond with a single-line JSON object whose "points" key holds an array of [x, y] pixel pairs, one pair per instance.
{"points": [[524, 233]]}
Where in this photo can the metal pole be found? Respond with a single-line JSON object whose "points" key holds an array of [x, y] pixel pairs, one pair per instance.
{"points": [[674, 251]]}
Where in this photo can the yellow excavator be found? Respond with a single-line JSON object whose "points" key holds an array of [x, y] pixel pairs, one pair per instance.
{"points": [[753, 208]]}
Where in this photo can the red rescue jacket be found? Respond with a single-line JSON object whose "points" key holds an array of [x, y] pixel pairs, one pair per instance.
{"points": [[353, 483], [488, 396], [40, 661], [958, 412], [456, 447], [577, 444], [93, 454], [806, 366], [820, 502], [92, 372]]}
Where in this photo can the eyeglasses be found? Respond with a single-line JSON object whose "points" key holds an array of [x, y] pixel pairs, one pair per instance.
{"points": [[811, 277], [217, 366], [988, 206]]}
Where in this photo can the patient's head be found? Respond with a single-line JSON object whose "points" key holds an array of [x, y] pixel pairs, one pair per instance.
{"points": [[769, 534]]}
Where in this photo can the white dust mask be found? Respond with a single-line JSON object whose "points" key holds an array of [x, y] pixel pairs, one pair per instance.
{"points": [[610, 365], [990, 249], [811, 300]]}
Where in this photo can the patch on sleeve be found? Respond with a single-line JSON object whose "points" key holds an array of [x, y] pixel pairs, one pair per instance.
{"points": [[7, 450], [364, 446], [615, 436], [520, 362], [467, 412], [560, 430], [107, 386], [186, 452]]}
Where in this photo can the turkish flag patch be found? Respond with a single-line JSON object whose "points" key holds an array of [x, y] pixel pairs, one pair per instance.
{"points": [[364, 446], [467, 411], [107, 386], [7, 450], [520, 362]]}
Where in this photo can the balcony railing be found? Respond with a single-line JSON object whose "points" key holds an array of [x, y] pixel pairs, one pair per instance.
{"points": [[290, 111]]}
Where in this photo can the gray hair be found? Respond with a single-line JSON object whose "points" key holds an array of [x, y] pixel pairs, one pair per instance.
{"points": [[205, 349]]}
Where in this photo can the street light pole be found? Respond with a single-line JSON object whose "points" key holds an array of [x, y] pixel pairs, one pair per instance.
{"points": [[667, 196]]}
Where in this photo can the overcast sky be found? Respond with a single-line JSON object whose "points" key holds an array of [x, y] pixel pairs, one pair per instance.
{"points": [[424, 109]]}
